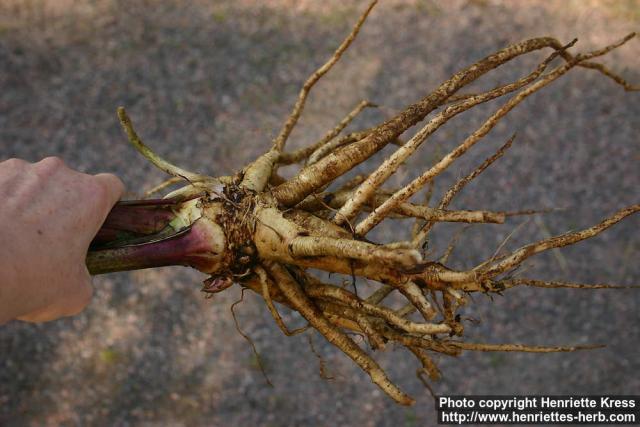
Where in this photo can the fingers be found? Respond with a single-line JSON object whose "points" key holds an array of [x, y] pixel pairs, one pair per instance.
{"points": [[70, 300]]}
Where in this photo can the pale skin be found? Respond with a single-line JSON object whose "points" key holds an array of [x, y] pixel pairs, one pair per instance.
{"points": [[49, 215]]}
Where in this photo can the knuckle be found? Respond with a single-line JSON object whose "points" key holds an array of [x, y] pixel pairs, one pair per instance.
{"points": [[98, 192], [50, 165], [52, 161], [111, 183], [115, 182], [14, 163], [102, 191]]}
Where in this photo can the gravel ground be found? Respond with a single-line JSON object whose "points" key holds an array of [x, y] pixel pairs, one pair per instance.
{"points": [[208, 84]]}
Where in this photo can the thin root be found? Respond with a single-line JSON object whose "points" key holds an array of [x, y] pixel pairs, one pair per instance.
{"points": [[282, 137], [155, 159], [272, 308], [248, 339]]}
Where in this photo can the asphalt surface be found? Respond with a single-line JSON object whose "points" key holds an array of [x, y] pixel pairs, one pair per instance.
{"points": [[208, 86]]}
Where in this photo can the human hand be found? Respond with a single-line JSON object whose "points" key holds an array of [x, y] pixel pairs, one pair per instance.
{"points": [[48, 217]]}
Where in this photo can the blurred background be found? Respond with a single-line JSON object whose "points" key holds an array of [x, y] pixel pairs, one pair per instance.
{"points": [[208, 84]]}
